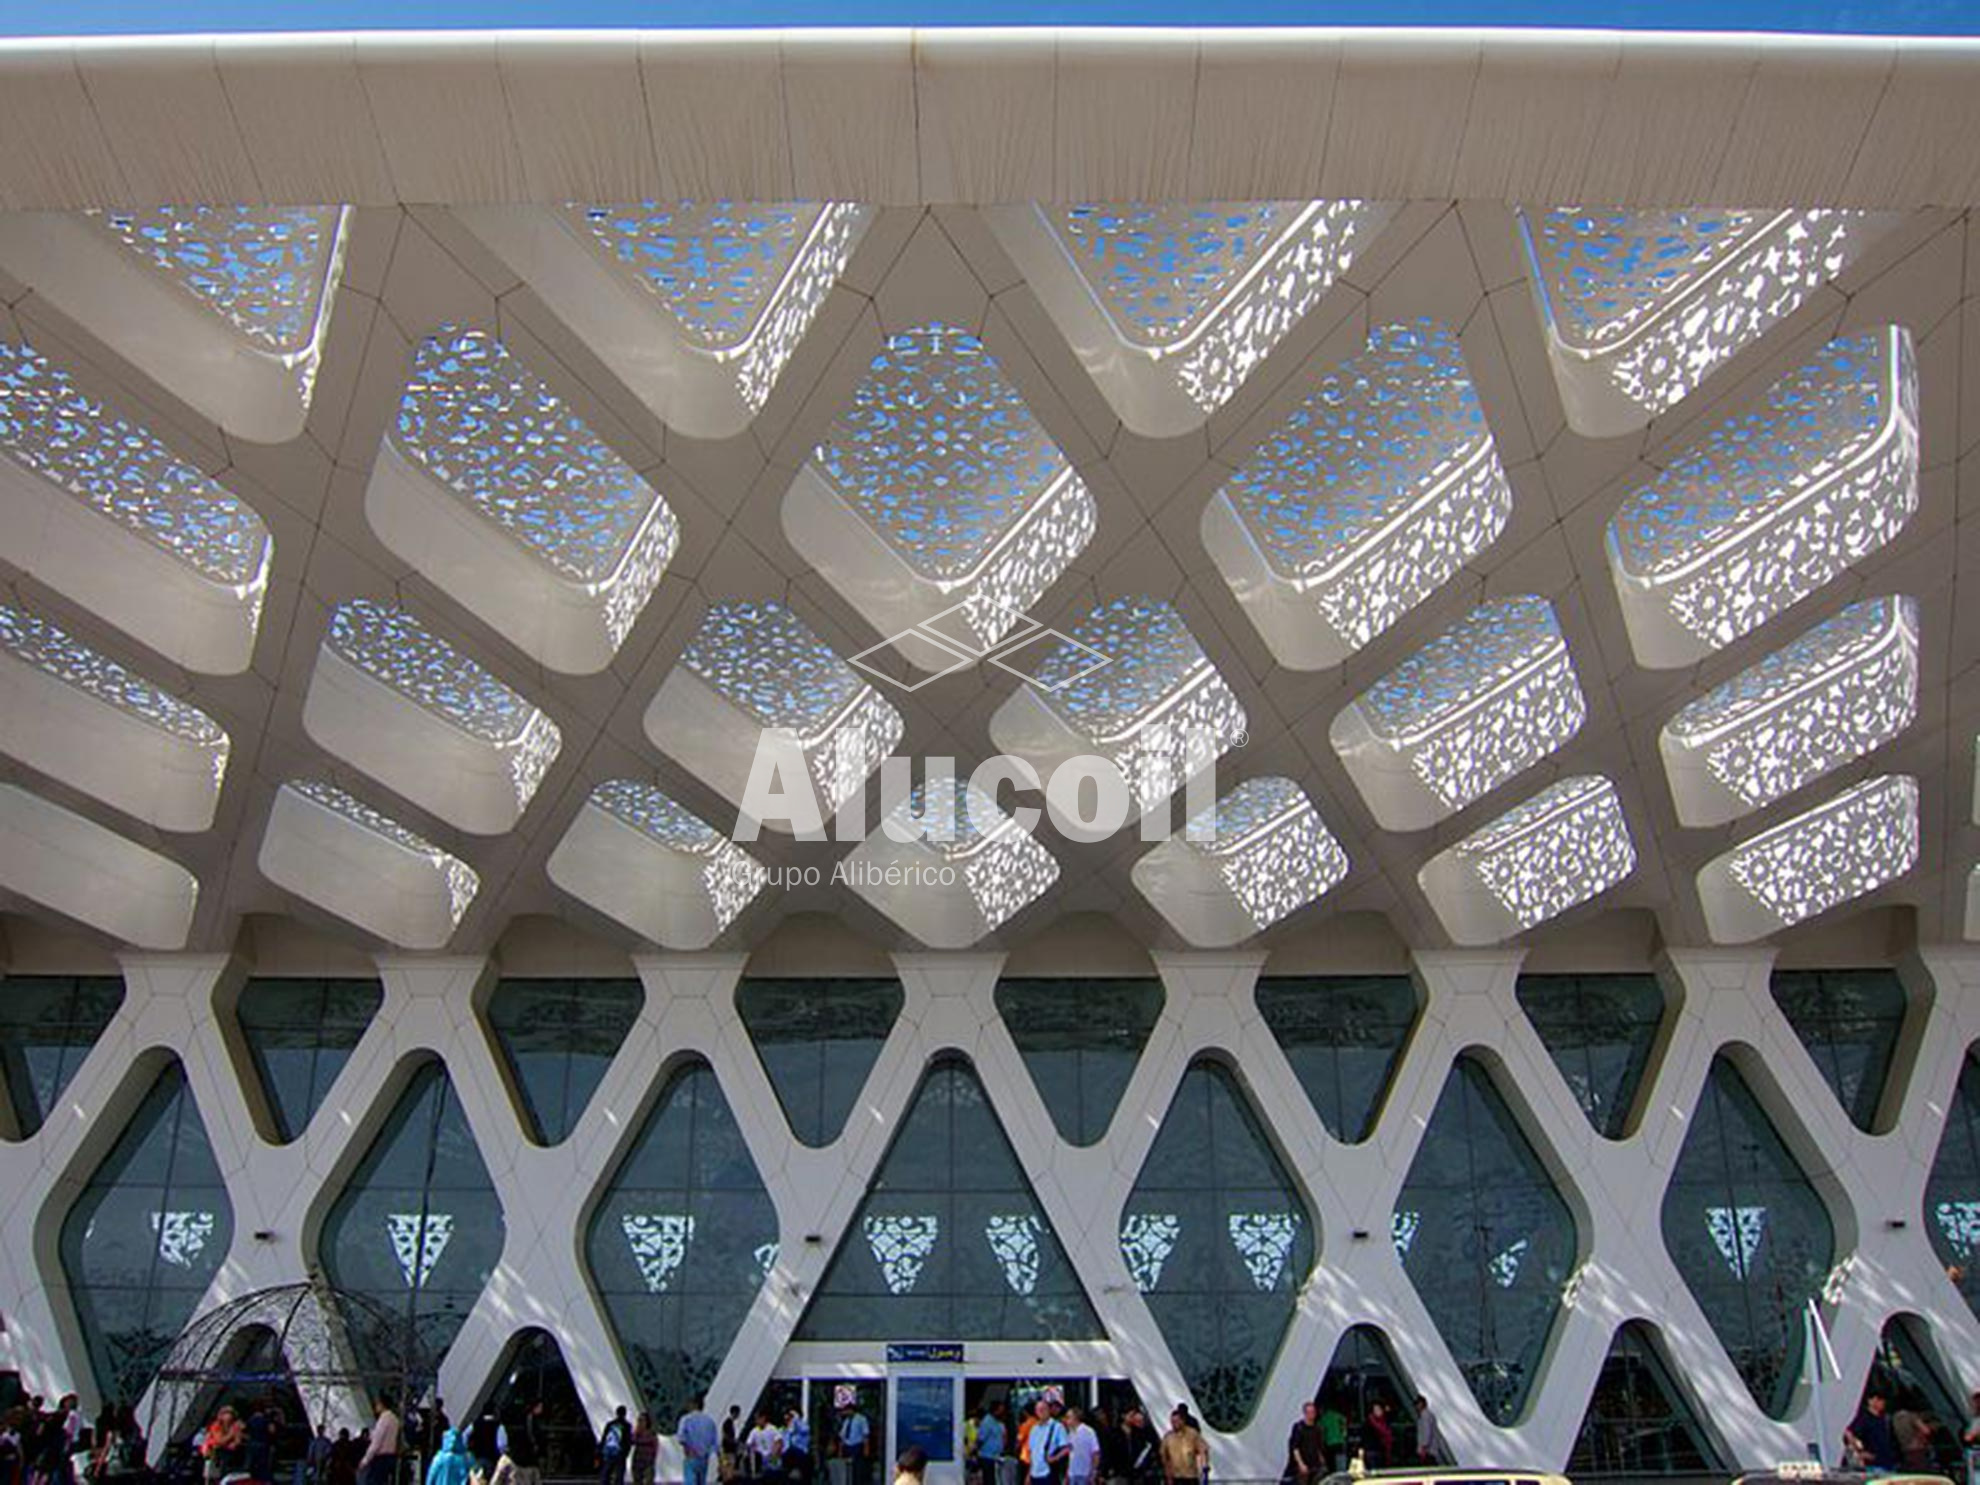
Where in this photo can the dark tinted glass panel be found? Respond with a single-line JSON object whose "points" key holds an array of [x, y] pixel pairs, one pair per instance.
{"points": [[1080, 1040], [48, 1023], [950, 1243], [818, 1040], [1924, 1417], [1218, 1241], [1486, 1239], [1749, 1234], [1850, 1020], [558, 1037], [1343, 1037], [560, 1438], [419, 1227], [681, 1243], [1952, 1195], [146, 1237], [1363, 1393], [299, 1034], [1638, 1422], [1600, 1030]]}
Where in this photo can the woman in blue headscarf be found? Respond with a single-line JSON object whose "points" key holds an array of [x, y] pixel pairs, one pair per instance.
{"points": [[450, 1465]]}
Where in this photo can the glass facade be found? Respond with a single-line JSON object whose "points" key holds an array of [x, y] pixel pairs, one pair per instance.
{"points": [[1218, 1241], [1850, 1021], [950, 1242], [1363, 1375], [1952, 1195], [817, 1040], [1638, 1422], [1600, 1031], [418, 1228], [1749, 1234], [1486, 1239], [145, 1238], [681, 1242], [1343, 1036], [299, 1035], [48, 1023], [1080, 1040], [557, 1038]]}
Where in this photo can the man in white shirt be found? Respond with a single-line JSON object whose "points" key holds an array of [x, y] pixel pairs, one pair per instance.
{"points": [[766, 1447], [1084, 1461], [380, 1464]]}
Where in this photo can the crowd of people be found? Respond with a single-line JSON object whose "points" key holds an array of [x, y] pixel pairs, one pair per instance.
{"points": [[40, 1445], [1912, 1440]]}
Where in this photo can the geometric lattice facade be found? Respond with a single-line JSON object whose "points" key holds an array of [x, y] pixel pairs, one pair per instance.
{"points": [[1558, 538]]}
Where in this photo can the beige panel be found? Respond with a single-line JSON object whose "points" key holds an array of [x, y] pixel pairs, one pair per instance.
{"points": [[56, 151], [166, 117], [1920, 148], [1399, 111], [1533, 118], [440, 111], [1672, 108], [985, 107], [307, 123], [1262, 110], [1806, 115], [716, 105], [580, 117], [1123, 116], [849, 105]]}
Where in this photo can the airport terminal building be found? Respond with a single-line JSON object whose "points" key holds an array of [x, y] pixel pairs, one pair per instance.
{"points": [[1223, 717]]}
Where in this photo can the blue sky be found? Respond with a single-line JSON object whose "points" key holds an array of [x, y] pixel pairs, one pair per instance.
{"points": [[71, 17]]}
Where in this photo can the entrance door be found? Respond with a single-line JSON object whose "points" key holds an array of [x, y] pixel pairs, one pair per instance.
{"points": [[827, 1401], [925, 1413]]}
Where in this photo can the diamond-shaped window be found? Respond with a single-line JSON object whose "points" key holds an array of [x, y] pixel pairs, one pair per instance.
{"points": [[146, 1237], [1749, 1235], [1834, 853], [498, 492], [1484, 701], [1344, 1036], [418, 1228], [535, 1372], [1772, 503], [558, 1037], [1567, 844], [1364, 1372], [1080, 1040], [1129, 684], [1172, 305], [1639, 1421], [818, 1040], [1851, 1021], [1486, 1240], [48, 1023], [1367, 500], [681, 1241], [937, 500], [950, 1242], [1600, 1030], [1219, 1243], [299, 1034], [103, 512], [1952, 1194], [1642, 306], [1842, 690]]}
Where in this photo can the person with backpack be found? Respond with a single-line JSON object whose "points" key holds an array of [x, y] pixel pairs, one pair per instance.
{"points": [[614, 1445]]}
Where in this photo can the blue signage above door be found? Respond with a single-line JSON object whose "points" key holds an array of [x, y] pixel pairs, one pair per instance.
{"points": [[924, 1353]]}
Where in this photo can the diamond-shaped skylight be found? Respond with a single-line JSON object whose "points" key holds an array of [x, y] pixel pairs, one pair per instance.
{"points": [[67, 455], [640, 857], [1565, 845], [415, 713], [1260, 853], [155, 757], [1130, 684], [937, 490], [960, 867], [1368, 499], [1642, 305], [491, 486], [1846, 687], [336, 851], [1772, 503], [756, 673], [1838, 851], [1485, 700], [1171, 305]]}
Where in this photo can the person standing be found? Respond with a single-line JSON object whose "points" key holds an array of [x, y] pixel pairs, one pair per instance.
{"points": [[450, 1463], [1333, 1437], [645, 1450], [614, 1444], [855, 1442], [1141, 1447], [1083, 1449], [797, 1447], [379, 1464], [766, 1449], [1378, 1438], [484, 1441], [991, 1441], [316, 1460], [1049, 1445], [731, 1462], [1305, 1458], [525, 1445], [1870, 1438], [1429, 1434], [699, 1441], [1185, 1455]]}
